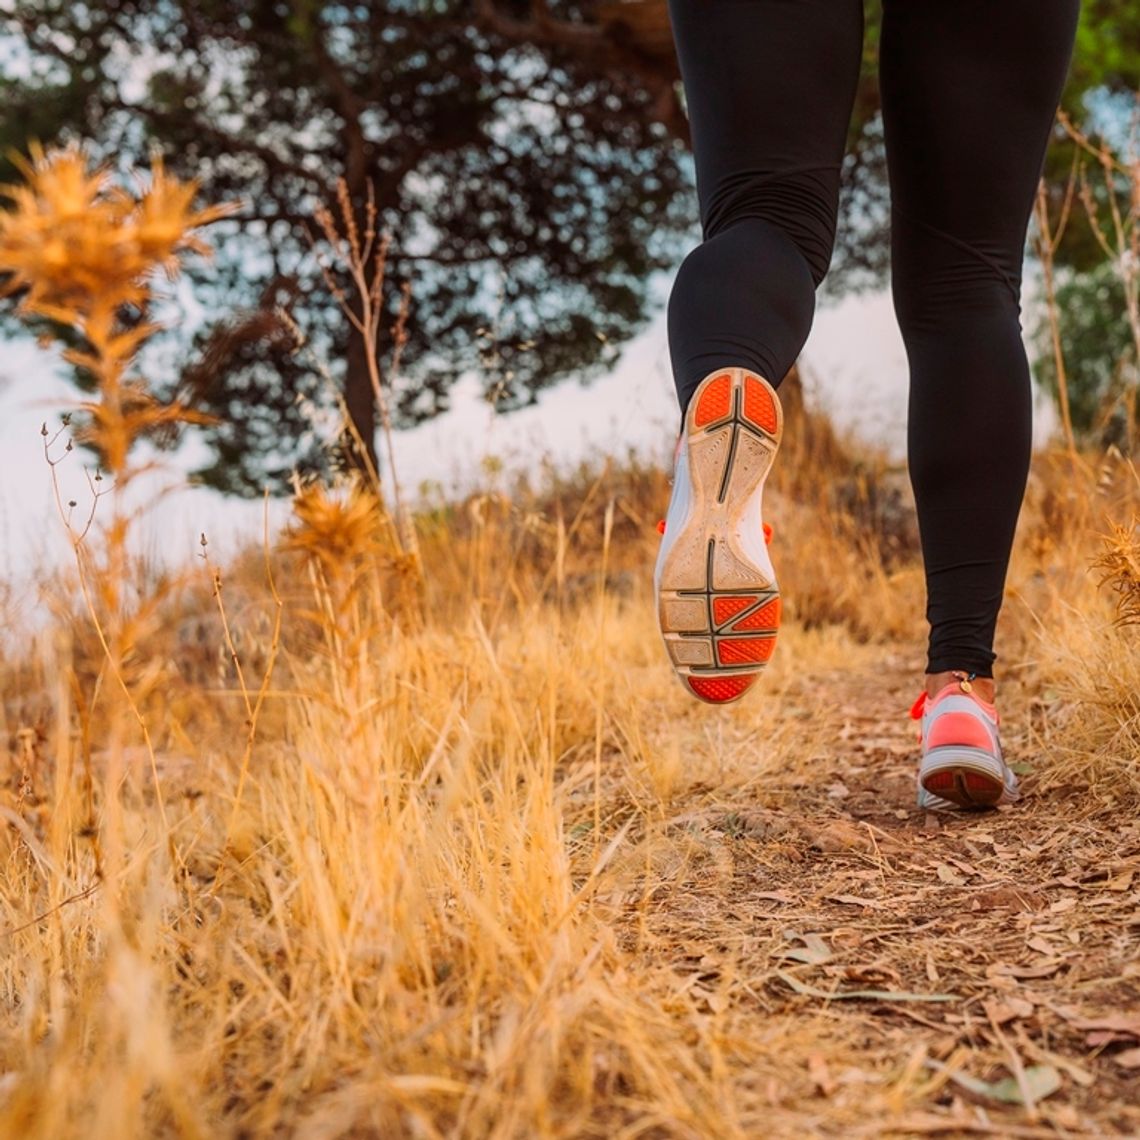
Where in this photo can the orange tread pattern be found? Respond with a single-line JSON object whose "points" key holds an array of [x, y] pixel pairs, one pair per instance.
{"points": [[725, 608], [715, 401], [720, 689], [939, 782], [745, 650], [759, 408], [766, 617], [976, 782]]}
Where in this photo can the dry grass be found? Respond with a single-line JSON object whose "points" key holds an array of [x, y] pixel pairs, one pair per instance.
{"points": [[457, 857], [496, 876]]}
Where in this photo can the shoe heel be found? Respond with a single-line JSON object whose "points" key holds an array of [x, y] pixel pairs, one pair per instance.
{"points": [[963, 780]]}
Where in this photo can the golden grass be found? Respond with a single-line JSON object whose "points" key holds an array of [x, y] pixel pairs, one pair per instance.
{"points": [[456, 856], [496, 876]]}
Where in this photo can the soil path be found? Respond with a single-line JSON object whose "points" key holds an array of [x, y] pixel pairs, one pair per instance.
{"points": [[900, 972]]}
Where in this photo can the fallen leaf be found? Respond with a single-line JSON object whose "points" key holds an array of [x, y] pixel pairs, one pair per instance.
{"points": [[1040, 1081], [1128, 1023], [948, 875], [838, 835], [718, 1001], [871, 974], [1102, 899], [1129, 1059], [1121, 883], [1082, 1076], [962, 865], [775, 896], [1010, 898], [820, 1075], [855, 900], [1001, 1011], [851, 995], [931, 970], [1044, 969], [813, 952]]}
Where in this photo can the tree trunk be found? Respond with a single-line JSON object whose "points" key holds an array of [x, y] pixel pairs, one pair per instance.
{"points": [[360, 404]]}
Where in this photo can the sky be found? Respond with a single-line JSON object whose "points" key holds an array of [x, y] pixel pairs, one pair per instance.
{"points": [[854, 366]]}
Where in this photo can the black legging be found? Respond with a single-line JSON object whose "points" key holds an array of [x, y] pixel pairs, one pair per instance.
{"points": [[969, 88]]}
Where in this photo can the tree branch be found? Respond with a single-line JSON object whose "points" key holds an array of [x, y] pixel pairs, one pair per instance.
{"points": [[541, 28]]}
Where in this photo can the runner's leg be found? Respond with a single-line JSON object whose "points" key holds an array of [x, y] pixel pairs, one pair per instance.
{"points": [[769, 87], [969, 92]]}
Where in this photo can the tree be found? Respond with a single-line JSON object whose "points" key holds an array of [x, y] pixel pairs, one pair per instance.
{"points": [[529, 155], [532, 187]]}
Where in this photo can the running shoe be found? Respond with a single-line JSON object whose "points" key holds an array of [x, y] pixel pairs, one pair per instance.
{"points": [[962, 764], [718, 606]]}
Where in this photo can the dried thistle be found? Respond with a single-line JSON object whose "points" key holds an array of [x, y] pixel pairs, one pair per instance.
{"points": [[78, 250], [336, 531], [76, 243], [1120, 563], [83, 252]]}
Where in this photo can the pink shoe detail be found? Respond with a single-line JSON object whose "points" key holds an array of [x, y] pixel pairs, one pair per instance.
{"points": [[959, 728]]}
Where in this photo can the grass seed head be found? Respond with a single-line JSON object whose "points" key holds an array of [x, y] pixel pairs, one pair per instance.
{"points": [[1120, 563]]}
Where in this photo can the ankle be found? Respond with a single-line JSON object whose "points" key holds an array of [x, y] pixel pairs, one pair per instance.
{"points": [[982, 687]]}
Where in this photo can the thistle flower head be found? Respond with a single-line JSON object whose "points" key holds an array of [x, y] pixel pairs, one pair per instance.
{"points": [[73, 242], [1119, 563], [77, 249], [336, 529]]}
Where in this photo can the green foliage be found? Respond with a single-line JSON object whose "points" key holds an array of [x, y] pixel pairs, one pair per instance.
{"points": [[1100, 358], [1107, 51]]}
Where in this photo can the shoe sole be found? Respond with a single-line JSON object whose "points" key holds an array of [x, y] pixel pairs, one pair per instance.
{"points": [[711, 591], [965, 777]]}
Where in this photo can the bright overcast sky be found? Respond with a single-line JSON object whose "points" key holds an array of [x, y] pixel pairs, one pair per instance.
{"points": [[854, 366]]}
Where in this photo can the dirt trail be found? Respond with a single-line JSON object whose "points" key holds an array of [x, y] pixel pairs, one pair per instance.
{"points": [[986, 946]]}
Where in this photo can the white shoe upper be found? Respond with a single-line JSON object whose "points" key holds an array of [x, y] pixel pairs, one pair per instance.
{"points": [[680, 503]]}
